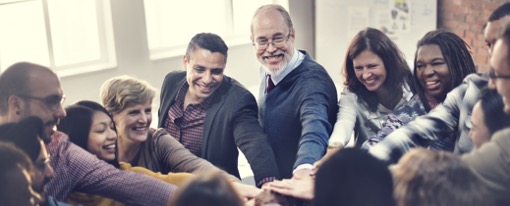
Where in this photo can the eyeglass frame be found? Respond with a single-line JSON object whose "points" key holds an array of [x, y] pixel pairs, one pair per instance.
{"points": [[272, 42], [493, 76], [47, 101]]}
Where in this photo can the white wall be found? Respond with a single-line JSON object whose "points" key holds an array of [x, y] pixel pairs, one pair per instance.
{"points": [[133, 55], [333, 34]]}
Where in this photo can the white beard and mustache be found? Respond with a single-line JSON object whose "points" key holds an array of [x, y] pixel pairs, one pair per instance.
{"points": [[279, 69]]}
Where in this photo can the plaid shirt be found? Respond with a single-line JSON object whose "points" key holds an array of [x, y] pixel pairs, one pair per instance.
{"points": [[78, 170], [187, 126], [451, 117]]}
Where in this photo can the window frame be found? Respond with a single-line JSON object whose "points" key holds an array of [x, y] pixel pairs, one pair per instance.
{"points": [[107, 58], [231, 39]]}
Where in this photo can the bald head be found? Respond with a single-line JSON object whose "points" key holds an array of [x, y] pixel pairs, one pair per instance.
{"points": [[272, 8], [17, 79]]}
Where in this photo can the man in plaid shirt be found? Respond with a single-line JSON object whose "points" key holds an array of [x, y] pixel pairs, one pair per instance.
{"points": [[28, 89], [451, 117]]}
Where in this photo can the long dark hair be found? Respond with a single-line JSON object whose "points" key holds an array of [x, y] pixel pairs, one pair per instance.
{"points": [[397, 70], [78, 122], [456, 54]]}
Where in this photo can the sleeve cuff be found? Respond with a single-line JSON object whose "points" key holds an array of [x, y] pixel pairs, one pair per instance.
{"points": [[265, 180], [303, 166]]}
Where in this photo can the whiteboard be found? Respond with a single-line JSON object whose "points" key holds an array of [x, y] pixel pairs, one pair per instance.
{"points": [[338, 21]]}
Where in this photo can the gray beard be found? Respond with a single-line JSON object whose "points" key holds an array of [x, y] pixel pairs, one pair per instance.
{"points": [[278, 70]]}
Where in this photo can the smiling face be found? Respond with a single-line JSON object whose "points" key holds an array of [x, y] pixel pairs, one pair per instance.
{"points": [[432, 71], [133, 122], [492, 30], [102, 137], [501, 67], [204, 73], [43, 85], [268, 26], [479, 132], [369, 70]]}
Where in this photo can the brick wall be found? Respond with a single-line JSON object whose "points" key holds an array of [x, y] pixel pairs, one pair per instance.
{"points": [[466, 19]]}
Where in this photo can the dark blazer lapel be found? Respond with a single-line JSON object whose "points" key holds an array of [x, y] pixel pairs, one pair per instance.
{"points": [[216, 103], [171, 86]]}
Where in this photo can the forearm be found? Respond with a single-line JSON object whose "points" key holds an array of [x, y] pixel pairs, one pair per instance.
{"points": [[253, 142], [311, 148], [95, 176], [346, 119]]}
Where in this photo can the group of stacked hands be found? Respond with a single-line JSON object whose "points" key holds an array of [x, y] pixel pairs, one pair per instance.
{"points": [[294, 138]]}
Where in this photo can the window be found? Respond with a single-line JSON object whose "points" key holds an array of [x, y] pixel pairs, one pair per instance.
{"points": [[171, 24], [69, 36]]}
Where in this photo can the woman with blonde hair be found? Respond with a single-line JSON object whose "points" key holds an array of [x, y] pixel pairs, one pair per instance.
{"points": [[129, 101], [90, 127]]}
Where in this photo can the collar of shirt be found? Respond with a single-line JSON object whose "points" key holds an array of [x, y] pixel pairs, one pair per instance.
{"points": [[181, 95], [295, 61]]}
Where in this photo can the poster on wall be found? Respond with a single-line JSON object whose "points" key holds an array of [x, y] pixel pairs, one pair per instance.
{"points": [[337, 21], [383, 22], [358, 19], [400, 16], [395, 19]]}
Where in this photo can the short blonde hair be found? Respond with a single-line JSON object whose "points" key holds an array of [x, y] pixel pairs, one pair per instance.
{"points": [[119, 92]]}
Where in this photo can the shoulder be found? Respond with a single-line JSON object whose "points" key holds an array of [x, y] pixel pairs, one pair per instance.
{"points": [[155, 134], [502, 138], [233, 90], [174, 76], [348, 95], [498, 148], [312, 68], [59, 142], [233, 85], [477, 79], [469, 88], [161, 138]]}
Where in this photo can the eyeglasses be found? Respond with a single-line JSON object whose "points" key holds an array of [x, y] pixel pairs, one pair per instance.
{"points": [[53, 102], [492, 75], [278, 42]]}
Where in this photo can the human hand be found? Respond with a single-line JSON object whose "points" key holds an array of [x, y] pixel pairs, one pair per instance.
{"points": [[250, 202], [303, 173], [299, 188], [265, 186], [329, 152], [246, 191]]}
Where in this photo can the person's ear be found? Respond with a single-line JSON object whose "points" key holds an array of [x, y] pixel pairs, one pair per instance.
{"points": [[185, 61], [15, 104]]}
